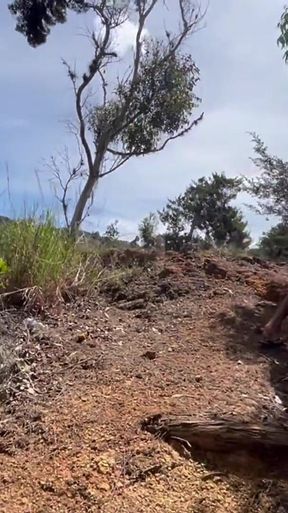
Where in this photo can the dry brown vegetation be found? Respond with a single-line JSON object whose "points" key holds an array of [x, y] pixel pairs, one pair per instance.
{"points": [[174, 335]]}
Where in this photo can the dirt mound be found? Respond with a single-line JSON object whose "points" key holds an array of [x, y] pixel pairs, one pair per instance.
{"points": [[168, 277], [175, 275]]}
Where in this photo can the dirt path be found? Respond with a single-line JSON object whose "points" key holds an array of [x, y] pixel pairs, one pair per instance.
{"points": [[76, 445]]}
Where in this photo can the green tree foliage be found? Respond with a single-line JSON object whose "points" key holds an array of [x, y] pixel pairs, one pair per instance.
{"points": [[205, 210], [270, 187], [34, 18], [148, 230], [274, 244], [161, 104]]}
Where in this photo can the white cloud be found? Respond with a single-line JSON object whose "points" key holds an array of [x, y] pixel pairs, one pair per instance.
{"points": [[123, 37]]}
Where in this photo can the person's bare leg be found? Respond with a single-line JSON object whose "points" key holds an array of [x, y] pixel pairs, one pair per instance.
{"points": [[273, 327]]}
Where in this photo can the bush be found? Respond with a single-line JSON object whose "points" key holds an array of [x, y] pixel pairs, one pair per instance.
{"points": [[274, 243], [112, 232], [148, 230]]}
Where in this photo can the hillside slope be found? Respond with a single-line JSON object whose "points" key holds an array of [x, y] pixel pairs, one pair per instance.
{"points": [[178, 337]]}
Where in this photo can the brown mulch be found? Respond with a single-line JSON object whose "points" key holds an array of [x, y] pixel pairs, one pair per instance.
{"points": [[70, 429]]}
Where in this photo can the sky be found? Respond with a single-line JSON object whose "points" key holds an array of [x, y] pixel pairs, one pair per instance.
{"points": [[243, 86]]}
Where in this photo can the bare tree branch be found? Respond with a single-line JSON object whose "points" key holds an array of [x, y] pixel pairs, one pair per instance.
{"points": [[104, 87], [191, 18], [57, 172], [116, 166]]}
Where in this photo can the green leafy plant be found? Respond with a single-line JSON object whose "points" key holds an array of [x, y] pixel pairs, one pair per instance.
{"points": [[148, 230], [4, 269]]}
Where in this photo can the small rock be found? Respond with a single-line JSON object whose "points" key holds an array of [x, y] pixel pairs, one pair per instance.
{"points": [[34, 325], [31, 391], [46, 486], [198, 379], [278, 400], [103, 486], [214, 268], [81, 337], [150, 355], [105, 463], [168, 271]]}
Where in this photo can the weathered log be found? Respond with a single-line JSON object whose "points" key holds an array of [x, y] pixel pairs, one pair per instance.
{"points": [[220, 435], [246, 449]]}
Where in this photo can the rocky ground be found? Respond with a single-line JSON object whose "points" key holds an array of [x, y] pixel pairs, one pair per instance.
{"points": [[178, 336]]}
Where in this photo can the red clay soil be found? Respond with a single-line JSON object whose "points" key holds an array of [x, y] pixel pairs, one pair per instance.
{"points": [[181, 338]]}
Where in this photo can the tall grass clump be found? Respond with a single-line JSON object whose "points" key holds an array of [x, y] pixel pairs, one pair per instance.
{"points": [[35, 253]]}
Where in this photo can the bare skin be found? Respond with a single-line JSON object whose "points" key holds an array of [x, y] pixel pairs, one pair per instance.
{"points": [[273, 327]]}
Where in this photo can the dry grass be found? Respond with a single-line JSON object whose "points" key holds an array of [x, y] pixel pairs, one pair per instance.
{"points": [[41, 263]]}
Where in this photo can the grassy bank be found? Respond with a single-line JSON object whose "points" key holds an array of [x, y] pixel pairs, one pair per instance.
{"points": [[36, 254]]}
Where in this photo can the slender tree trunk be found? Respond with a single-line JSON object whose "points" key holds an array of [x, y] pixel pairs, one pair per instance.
{"points": [[92, 181], [82, 202]]}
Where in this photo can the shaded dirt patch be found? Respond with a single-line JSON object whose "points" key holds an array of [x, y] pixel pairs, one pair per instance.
{"points": [[242, 324]]}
